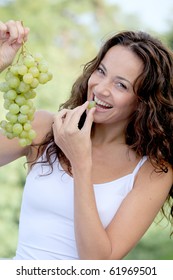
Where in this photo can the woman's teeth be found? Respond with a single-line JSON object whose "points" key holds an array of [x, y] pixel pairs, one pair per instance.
{"points": [[101, 103]]}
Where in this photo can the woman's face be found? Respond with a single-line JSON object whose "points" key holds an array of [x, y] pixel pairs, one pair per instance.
{"points": [[111, 85]]}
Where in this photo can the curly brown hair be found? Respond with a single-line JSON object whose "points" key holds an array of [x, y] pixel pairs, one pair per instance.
{"points": [[150, 129]]}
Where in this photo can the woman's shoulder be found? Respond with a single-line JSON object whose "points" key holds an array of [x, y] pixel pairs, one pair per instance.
{"points": [[42, 124], [150, 177]]}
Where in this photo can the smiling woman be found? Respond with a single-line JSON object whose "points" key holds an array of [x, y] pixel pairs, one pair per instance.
{"points": [[106, 171]]}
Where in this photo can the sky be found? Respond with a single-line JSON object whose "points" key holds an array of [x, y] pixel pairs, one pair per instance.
{"points": [[154, 13]]}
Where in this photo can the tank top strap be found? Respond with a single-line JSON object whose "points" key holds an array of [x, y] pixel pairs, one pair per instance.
{"points": [[138, 166]]}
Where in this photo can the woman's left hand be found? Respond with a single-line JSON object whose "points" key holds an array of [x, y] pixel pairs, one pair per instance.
{"points": [[74, 142]]}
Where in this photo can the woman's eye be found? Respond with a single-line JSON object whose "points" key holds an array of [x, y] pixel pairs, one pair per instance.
{"points": [[121, 85], [100, 70]]}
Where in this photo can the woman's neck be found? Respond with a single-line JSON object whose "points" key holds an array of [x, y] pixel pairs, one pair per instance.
{"points": [[107, 134]]}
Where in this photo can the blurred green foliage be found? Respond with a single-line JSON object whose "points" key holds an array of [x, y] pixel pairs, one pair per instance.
{"points": [[68, 34]]}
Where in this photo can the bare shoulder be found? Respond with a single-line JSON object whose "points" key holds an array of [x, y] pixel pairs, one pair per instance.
{"points": [[153, 179], [42, 124], [152, 186]]}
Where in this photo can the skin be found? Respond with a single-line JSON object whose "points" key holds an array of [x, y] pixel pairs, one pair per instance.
{"points": [[113, 83], [100, 152]]}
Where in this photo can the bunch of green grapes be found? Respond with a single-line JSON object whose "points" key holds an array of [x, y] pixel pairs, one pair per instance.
{"points": [[21, 80]]}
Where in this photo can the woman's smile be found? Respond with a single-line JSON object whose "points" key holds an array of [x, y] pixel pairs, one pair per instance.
{"points": [[101, 105]]}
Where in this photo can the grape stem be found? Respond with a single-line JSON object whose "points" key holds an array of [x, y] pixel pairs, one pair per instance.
{"points": [[23, 52]]}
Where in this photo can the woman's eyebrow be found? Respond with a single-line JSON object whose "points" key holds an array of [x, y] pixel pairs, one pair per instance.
{"points": [[101, 64], [124, 79]]}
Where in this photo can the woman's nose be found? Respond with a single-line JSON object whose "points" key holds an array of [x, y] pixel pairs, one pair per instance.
{"points": [[103, 88]]}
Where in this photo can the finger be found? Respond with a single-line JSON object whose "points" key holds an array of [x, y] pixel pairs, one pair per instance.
{"points": [[12, 30], [89, 119], [21, 32], [4, 34], [17, 32], [58, 118], [26, 33], [74, 115], [61, 114]]}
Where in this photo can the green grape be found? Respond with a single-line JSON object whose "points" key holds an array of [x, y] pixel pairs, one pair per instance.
{"points": [[23, 134], [14, 69], [30, 117], [14, 109], [29, 61], [38, 57], [24, 109], [22, 118], [13, 82], [18, 89], [9, 127], [43, 67], [5, 96], [50, 76], [27, 126], [30, 104], [23, 142], [30, 114], [22, 69], [11, 117], [28, 78], [23, 87], [3, 124], [4, 87], [11, 94], [9, 135], [43, 78], [30, 94], [17, 128], [9, 75], [34, 71], [91, 104], [7, 103], [35, 83], [31, 134], [20, 100]]}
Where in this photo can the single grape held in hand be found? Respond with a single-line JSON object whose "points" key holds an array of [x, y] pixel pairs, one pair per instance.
{"points": [[91, 104], [21, 80]]}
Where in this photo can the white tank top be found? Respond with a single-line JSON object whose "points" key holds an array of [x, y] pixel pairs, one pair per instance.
{"points": [[46, 228]]}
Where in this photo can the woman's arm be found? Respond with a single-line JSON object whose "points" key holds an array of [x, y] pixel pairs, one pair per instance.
{"points": [[131, 221], [12, 36]]}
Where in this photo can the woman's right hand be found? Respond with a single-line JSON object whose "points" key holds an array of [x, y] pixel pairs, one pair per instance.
{"points": [[12, 36]]}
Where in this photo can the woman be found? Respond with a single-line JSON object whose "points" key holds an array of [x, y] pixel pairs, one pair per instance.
{"points": [[97, 178]]}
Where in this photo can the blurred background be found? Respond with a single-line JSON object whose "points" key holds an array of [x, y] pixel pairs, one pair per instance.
{"points": [[68, 33]]}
